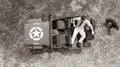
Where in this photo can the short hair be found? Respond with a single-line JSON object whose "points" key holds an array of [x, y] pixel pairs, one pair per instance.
{"points": [[83, 17]]}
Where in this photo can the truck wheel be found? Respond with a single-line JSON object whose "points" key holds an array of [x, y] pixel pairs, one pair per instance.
{"points": [[33, 51]]}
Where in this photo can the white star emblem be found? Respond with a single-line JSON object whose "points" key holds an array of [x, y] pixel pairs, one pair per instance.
{"points": [[36, 33]]}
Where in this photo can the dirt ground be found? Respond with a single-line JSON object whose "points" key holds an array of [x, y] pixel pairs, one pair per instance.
{"points": [[104, 52]]}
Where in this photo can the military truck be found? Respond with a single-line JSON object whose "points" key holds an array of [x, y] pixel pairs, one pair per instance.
{"points": [[49, 35]]}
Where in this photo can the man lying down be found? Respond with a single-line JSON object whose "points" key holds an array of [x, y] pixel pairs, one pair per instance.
{"points": [[89, 36]]}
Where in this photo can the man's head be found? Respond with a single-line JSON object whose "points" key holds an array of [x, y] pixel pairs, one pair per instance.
{"points": [[83, 17]]}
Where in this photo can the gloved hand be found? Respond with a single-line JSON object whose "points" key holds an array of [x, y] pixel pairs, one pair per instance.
{"points": [[93, 33]]}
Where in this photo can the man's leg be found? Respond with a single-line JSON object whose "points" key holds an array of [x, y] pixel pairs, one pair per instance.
{"points": [[83, 36], [74, 36]]}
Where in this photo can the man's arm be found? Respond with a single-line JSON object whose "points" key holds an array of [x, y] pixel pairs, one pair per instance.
{"points": [[90, 25], [73, 22], [76, 21]]}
